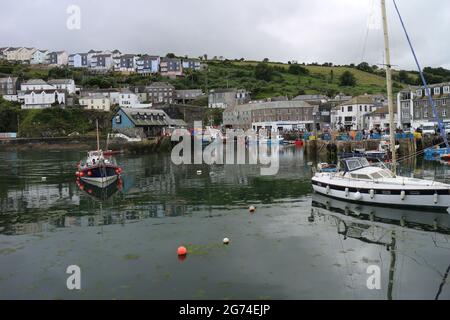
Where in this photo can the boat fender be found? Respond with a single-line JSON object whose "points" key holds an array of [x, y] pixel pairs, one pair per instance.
{"points": [[346, 192], [435, 198], [402, 195], [358, 196], [328, 190], [372, 193]]}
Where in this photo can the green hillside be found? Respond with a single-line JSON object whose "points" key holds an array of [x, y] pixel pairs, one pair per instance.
{"points": [[273, 79]]}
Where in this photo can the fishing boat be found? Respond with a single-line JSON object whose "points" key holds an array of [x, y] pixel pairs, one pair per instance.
{"points": [[98, 168], [359, 181]]}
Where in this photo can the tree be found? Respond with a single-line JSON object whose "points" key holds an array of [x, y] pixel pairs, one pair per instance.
{"points": [[297, 69], [266, 60], [347, 79], [263, 72], [170, 55], [364, 66], [403, 77]]}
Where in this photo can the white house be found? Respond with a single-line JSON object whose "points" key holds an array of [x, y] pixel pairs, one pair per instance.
{"points": [[128, 99], [78, 60], [102, 62], [350, 114], [379, 119], [96, 102], [39, 57], [41, 99], [58, 58], [11, 54], [63, 84]]}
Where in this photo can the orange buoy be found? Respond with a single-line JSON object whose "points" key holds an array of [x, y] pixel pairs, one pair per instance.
{"points": [[89, 173], [182, 251]]}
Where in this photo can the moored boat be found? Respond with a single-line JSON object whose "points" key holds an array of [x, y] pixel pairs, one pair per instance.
{"points": [[359, 181], [98, 169]]}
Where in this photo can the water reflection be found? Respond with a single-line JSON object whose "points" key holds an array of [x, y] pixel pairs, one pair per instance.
{"points": [[393, 231], [151, 187]]}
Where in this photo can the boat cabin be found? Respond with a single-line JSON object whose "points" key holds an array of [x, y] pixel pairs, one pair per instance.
{"points": [[360, 168]]}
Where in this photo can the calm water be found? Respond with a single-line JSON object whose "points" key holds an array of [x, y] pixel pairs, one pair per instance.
{"points": [[295, 246]]}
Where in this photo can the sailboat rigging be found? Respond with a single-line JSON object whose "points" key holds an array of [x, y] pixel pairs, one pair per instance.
{"points": [[362, 182]]}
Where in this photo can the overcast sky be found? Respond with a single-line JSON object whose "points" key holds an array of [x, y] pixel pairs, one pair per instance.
{"points": [[338, 31]]}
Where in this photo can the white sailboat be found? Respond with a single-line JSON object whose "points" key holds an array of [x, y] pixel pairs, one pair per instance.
{"points": [[359, 181]]}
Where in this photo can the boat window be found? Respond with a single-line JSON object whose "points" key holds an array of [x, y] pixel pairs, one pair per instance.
{"points": [[361, 176], [364, 162], [353, 164], [376, 175], [386, 173]]}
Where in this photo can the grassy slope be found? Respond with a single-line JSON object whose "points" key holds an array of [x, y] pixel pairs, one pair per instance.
{"points": [[318, 81]]}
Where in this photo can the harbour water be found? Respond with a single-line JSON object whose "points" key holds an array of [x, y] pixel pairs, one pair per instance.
{"points": [[295, 246]]}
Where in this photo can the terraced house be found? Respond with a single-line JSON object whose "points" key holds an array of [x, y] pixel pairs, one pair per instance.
{"points": [[350, 115], [278, 115], [415, 109]]}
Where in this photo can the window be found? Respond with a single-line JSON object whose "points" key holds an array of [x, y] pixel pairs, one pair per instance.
{"points": [[342, 109], [350, 108], [118, 119], [360, 108], [427, 92], [446, 89], [425, 113], [365, 108], [437, 91], [444, 113], [419, 93]]}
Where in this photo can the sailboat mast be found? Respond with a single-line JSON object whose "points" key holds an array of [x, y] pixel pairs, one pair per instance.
{"points": [[389, 88], [98, 138]]}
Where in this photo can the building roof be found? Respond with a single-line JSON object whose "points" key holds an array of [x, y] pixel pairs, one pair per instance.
{"points": [[128, 55], [382, 111], [45, 90], [270, 105], [35, 82], [93, 96], [177, 122], [363, 99], [5, 79], [60, 81], [160, 85], [126, 90], [146, 117], [306, 97], [102, 55]]}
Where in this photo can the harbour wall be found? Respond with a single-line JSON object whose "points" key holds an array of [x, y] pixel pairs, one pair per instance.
{"points": [[329, 149]]}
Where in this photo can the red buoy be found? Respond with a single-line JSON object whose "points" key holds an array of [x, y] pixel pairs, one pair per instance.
{"points": [[81, 173], [89, 173], [182, 251]]}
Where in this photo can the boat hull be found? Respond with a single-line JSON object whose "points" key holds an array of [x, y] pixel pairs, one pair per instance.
{"points": [[436, 200], [100, 176]]}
